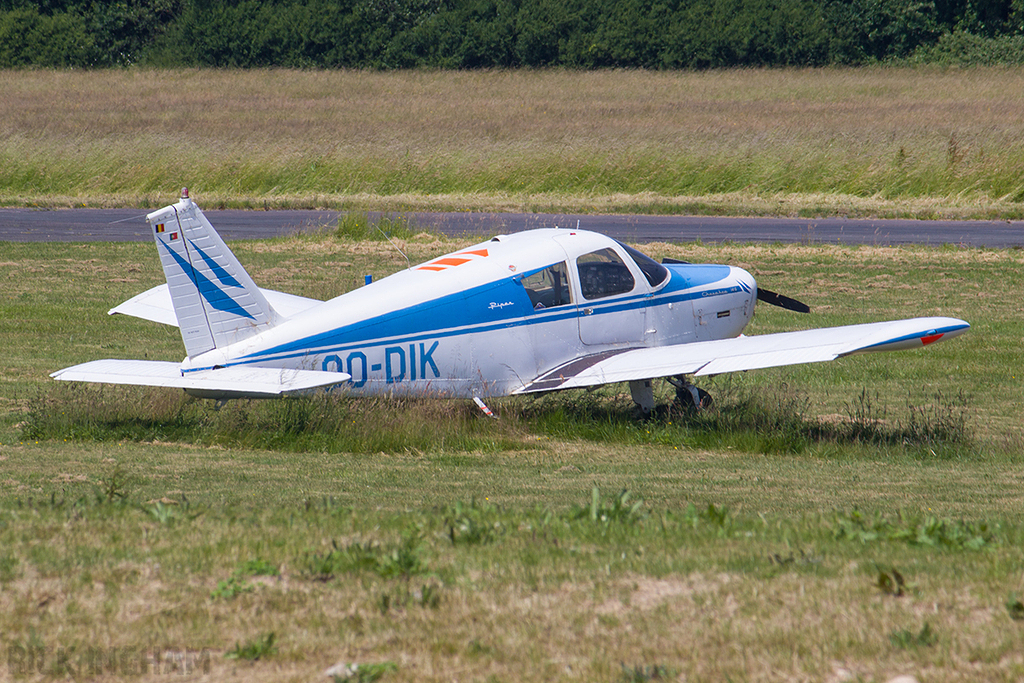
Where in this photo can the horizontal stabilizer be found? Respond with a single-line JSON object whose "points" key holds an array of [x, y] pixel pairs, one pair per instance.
{"points": [[155, 305], [238, 381], [745, 353]]}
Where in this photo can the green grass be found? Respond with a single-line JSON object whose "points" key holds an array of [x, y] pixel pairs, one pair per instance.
{"points": [[358, 226], [252, 650], [771, 424], [649, 583], [863, 516], [321, 423]]}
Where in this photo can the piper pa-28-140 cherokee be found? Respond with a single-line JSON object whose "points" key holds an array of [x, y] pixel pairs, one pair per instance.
{"points": [[539, 310]]}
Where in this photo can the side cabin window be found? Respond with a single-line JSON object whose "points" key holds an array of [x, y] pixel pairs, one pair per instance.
{"points": [[549, 287], [652, 270], [603, 273]]}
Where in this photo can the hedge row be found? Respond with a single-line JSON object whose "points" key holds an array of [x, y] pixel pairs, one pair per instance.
{"points": [[506, 33]]}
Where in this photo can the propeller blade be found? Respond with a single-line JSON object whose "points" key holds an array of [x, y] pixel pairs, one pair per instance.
{"points": [[776, 299]]}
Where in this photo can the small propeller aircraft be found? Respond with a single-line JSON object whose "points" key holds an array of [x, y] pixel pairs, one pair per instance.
{"points": [[540, 310]]}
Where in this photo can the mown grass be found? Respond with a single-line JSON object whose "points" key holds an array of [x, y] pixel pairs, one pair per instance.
{"points": [[514, 594], [881, 141], [856, 519]]}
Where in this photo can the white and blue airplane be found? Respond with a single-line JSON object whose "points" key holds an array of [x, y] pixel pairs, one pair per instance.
{"points": [[540, 310]]}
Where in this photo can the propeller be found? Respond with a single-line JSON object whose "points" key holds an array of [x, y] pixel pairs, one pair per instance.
{"points": [[776, 299], [765, 295]]}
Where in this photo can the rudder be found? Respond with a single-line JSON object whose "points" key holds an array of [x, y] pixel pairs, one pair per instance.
{"points": [[215, 301]]}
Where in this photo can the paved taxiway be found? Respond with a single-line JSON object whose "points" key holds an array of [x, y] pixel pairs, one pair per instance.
{"points": [[122, 225]]}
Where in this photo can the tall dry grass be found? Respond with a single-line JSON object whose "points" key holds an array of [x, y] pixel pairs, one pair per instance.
{"points": [[784, 140]]}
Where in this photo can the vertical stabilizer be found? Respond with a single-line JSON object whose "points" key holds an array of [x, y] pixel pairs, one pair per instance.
{"points": [[215, 300]]}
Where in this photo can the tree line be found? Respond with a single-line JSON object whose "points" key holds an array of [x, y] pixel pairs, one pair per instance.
{"points": [[469, 34]]}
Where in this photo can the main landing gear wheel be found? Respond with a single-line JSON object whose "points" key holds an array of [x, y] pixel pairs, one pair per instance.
{"points": [[689, 397]]}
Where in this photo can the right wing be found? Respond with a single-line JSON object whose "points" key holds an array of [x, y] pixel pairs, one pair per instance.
{"points": [[745, 353], [237, 381]]}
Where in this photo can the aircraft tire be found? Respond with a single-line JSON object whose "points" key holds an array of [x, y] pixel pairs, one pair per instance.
{"points": [[685, 399]]}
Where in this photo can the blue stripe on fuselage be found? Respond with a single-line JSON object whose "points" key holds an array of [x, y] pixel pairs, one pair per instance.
{"points": [[470, 312], [461, 309]]}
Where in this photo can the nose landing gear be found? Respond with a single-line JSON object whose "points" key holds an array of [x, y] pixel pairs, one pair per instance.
{"points": [[642, 392]]}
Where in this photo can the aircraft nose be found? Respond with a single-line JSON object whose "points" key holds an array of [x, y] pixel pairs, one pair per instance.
{"points": [[745, 280]]}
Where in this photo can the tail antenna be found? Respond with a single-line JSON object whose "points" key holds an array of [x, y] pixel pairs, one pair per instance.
{"points": [[408, 263]]}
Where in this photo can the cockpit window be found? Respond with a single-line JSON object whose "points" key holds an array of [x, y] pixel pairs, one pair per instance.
{"points": [[652, 270], [603, 273], [549, 287]]}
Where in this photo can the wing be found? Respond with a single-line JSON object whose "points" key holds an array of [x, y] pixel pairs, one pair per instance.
{"points": [[745, 353], [238, 381], [155, 305]]}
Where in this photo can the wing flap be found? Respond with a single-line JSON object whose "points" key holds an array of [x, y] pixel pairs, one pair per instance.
{"points": [[746, 353], [239, 381]]}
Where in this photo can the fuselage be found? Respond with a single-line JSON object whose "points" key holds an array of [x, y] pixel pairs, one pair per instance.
{"points": [[486, 320]]}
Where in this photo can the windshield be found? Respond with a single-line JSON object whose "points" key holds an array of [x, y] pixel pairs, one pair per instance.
{"points": [[652, 270]]}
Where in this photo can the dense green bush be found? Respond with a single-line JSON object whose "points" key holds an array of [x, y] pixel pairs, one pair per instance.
{"points": [[506, 33], [28, 38], [968, 49], [76, 33]]}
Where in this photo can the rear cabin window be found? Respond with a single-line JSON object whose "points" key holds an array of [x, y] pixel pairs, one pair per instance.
{"points": [[549, 287], [603, 273]]}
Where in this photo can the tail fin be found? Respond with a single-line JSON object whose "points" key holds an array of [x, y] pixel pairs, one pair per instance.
{"points": [[215, 300]]}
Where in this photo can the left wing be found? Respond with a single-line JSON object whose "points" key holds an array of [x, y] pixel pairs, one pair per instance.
{"points": [[238, 381], [745, 353]]}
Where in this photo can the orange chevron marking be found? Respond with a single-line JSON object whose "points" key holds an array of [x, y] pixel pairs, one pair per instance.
{"points": [[451, 261]]}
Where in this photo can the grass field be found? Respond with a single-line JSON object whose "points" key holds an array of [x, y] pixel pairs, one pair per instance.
{"points": [[887, 142], [140, 532]]}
